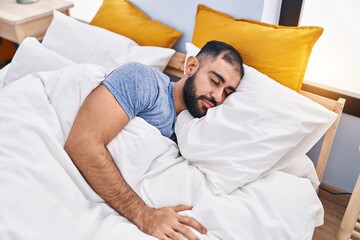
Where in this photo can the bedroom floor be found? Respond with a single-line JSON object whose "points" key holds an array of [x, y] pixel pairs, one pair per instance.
{"points": [[335, 206]]}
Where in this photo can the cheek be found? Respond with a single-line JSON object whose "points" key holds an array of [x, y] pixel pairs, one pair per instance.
{"points": [[202, 86]]}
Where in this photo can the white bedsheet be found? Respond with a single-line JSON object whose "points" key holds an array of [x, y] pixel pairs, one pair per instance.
{"points": [[43, 195], [3, 72]]}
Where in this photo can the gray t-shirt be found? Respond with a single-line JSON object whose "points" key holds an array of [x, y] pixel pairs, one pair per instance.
{"points": [[146, 93]]}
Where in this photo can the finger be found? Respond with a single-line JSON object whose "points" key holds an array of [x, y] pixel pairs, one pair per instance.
{"points": [[181, 207], [165, 238], [174, 235], [189, 221], [185, 231]]}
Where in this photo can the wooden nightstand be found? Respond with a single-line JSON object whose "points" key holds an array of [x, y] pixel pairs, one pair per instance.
{"points": [[18, 21]]}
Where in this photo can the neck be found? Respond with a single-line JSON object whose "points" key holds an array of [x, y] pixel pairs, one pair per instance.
{"points": [[178, 95]]}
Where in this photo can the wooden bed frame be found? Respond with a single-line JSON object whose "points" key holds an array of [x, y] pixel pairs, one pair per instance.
{"points": [[175, 67], [350, 224]]}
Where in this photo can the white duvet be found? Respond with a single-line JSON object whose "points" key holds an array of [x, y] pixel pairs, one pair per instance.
{"points": [[43, 195]]}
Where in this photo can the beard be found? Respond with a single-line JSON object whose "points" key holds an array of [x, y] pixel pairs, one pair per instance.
{"points": [[192, 100]]}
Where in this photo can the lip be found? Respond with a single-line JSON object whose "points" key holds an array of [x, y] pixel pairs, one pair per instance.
{"points": [[207, 103]]}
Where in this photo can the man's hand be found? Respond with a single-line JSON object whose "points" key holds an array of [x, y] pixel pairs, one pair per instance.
{"points": [[166, 223]]}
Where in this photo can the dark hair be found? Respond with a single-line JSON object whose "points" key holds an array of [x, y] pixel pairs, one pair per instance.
{"points": [[211, 50]]}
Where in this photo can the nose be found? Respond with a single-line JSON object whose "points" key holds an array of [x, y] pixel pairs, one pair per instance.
{"points": [[217, 94]]}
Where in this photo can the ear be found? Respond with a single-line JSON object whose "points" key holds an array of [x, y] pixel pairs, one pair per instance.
{"points": [[192, 65]]}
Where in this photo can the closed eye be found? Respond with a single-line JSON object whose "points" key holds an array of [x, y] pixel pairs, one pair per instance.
{"points": [[228, 91], [215, 82]]}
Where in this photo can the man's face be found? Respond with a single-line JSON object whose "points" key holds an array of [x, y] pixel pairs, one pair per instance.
{"points": [[209, 86]]}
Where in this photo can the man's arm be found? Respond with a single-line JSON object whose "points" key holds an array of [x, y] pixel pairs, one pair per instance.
{"points": [[99, 120]]}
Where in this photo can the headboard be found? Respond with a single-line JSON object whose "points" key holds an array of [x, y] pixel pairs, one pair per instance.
{"points": [[181, 14]]}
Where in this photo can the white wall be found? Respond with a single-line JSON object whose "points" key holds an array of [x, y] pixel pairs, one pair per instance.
{"points": [[271, 11], [335, 58], [84, 10]]}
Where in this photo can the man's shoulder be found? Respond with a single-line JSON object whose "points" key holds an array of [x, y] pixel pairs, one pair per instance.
{"points": [[136, 65], [139, 67], [135, 76], [147, 73]]}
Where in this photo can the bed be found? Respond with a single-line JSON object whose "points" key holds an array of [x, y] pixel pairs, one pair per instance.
{"points": [[263, 189]]}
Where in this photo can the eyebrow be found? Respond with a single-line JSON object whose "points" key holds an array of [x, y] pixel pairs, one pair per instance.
{"points": [[219, 76], [223, 80]]}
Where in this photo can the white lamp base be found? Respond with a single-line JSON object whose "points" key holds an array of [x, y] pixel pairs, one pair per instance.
{"points": [[26, 1]]}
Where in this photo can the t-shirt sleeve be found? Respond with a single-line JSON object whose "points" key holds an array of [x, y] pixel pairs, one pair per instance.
{"points": [[134, 87]]}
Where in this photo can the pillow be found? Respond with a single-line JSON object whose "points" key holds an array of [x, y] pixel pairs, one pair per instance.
{"points": [[303, 167], [260, 128], [123, 17], [280, 52], [300, 166], [30, 57], [83, 43]]}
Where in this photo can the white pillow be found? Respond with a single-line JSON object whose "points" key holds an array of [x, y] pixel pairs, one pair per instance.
{"points": [[31, 57], [258, 129], [83, 43], [303, 167]]}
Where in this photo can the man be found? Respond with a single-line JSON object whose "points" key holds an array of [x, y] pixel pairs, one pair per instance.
{"points": [[137, 90]]}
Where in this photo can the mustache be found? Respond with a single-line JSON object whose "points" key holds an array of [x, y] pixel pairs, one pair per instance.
{"points": [[212, 100]]}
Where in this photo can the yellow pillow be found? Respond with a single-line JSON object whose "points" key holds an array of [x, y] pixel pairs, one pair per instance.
{"points": [[123, 17], [280, 52]]}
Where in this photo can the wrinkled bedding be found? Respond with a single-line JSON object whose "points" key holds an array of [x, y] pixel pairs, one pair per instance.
{"points": [[44, 196]]}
